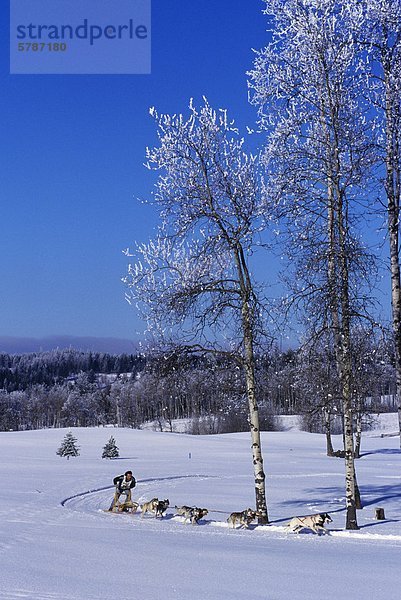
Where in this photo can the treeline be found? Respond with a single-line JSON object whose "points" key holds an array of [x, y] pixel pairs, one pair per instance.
{"points": [[208, 391], [19, 372]]}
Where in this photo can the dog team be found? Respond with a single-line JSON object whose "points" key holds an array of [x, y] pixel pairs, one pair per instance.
{"points": [[125, 483]]}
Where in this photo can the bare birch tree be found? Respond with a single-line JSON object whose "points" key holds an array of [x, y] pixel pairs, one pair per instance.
{"points": [[193, 282], [319, 151]]}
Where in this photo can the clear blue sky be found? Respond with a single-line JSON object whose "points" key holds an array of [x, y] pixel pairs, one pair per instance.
{"points": [[72, 151]]}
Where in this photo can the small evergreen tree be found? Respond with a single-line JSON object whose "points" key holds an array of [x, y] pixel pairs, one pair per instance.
{"points": [[68, 446], [110, 450]]}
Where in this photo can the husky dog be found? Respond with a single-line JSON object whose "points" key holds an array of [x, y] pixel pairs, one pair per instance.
{"points": [[127, 507], [315, 523], [150, 506], [184, 511], [244, 518], [193, 513], [198, 514], [161, 507]]}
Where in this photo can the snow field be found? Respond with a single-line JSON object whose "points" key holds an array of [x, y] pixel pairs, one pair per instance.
{"points": [[76, 551]]}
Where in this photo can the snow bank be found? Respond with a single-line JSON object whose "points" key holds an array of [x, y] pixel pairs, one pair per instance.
{"points": [[77, 551]]}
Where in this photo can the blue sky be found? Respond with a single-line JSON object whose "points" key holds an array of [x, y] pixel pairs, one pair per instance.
{"points": [[72, 152]]}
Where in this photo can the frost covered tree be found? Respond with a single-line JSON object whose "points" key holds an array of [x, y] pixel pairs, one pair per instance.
{"points": [[68, 446], [193, 282], [309, 92], [380, 34], [110, 449]]}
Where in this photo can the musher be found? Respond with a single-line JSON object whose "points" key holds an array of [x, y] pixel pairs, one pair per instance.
{"points": [[124, 484]]}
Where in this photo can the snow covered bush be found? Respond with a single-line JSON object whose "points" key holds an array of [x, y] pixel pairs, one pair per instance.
{"points": [[110, 449], [68, 446]]}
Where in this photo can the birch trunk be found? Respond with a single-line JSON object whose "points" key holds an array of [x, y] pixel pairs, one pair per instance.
{"points": [[392, 185], [327, 430], [249, 368], [351, 487], [396, 304], [352, 490], [358, 432], [260, 492], [337, 267]]}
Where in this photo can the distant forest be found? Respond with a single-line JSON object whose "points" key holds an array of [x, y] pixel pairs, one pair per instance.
{"points": [[19, 372], [65, 388]]}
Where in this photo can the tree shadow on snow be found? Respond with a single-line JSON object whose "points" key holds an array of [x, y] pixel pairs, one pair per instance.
{"points": [[373, 494], [380, 493], [375, 523], [124, 458], [387, 451], [324, 503]]}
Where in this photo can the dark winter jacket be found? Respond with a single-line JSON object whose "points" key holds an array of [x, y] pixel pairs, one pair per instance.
{"points": [[123, 484]]}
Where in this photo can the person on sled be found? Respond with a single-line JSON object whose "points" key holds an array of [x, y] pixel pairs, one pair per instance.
{"points": [[124, 484]]}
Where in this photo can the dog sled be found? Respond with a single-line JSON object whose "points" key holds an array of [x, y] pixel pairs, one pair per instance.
{"points": [[121, 508]]}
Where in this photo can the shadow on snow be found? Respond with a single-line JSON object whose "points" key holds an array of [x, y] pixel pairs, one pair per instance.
{"points": [[387, 451]]}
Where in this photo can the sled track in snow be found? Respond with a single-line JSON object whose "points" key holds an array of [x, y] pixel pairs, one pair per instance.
{"points": [[150, 480]]}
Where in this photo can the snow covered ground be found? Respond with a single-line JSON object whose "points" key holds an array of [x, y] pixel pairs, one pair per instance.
{"points": [[75, 551]]}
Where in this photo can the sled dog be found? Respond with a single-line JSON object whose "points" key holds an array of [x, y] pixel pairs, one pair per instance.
{"points": [[244, 518], [198, 514], [184, 511], [193, 513], [161, 507], [149, 506], [314, 522]]}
